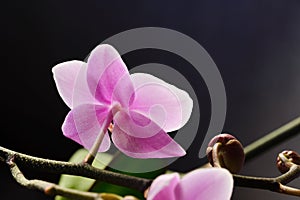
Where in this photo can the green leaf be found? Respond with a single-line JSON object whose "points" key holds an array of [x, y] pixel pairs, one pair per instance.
{"points": [[78, 182]]}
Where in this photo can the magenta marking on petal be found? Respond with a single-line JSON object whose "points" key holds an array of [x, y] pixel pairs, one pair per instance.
{"points": [[69, 130], [123, 91], [171, 150], [160, 145], [136, 124], [108, 81], [140, 145], [84, 123], [107, 74]]}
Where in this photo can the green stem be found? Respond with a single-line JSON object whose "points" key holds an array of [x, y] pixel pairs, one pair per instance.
{"points": [[272, 139]]}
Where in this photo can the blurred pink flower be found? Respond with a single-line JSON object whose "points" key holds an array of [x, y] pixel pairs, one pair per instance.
{"points": [[141, 107], [200, 184]]}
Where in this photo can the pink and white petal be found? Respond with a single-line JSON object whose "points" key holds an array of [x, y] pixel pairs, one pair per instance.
{"points": [[123, 92], [213, 183], [163, 187], [156, 98], [136, 124], [160, 145], [65, 75], [105, 69], [84, 123], [81, 92]]}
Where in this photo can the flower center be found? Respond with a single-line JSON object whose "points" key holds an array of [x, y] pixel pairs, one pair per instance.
{"points": [[116, 107]]}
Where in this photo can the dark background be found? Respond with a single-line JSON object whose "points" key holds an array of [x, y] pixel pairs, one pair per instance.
{"points": [[255, 44]]}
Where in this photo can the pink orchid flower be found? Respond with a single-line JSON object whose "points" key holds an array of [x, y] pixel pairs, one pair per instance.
{"points": [[200, 184], [140, 107]]}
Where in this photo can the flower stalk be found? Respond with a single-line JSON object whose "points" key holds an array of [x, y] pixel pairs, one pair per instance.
{"points": [[95, 148]]}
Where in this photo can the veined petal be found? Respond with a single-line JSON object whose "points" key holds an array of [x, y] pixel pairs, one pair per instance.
{"points": [[158, 145], [81, 92], [65, 76], [165, 104], [163, 187], [212, 183], [84, 123], [136, 124], [105, 70]]}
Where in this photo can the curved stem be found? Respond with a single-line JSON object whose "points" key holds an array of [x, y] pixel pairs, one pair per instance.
{"points": [[289, 190], [292, 174], [272, 184], [51, 189]]}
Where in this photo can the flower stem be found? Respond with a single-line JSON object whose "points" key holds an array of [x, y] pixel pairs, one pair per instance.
{"points": [[95, 148], [272, 139], [273, 184], [93, 151]]}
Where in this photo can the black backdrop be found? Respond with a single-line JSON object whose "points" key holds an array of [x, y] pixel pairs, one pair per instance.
{"points": [[255, 45]]}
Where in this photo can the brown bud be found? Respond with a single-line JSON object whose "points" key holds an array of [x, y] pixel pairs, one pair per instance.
{"points": [[286, 159], [230, 152]]}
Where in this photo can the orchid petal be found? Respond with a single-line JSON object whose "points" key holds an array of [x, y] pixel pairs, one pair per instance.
{"points": [[167, 105], [159, 145], [163, 187], [136, 124], [84, 123], [105, 70], [81, 92], [65, 76], [213, 183]]}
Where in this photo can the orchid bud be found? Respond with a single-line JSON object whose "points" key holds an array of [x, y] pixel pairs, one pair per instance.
{"points": [[286, 159], [225, 151]]}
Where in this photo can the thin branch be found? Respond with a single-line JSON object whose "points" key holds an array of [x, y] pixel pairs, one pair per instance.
{"points": [[272, 184], [272, 139], [292, 174], [81, 169], [48, 188], [289, 190]]}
